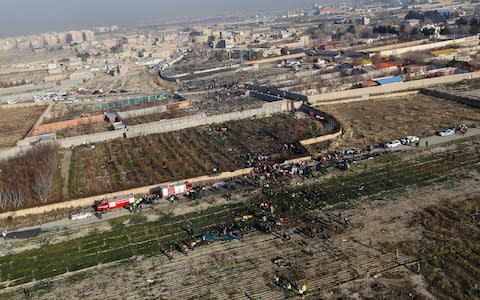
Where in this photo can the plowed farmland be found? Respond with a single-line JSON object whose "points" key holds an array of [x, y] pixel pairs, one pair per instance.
{"points": [[127, 163]]}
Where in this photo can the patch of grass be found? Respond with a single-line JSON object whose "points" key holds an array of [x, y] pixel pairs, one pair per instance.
{"points": [[138, 219]]}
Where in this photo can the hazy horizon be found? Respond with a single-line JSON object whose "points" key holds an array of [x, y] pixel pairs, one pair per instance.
{"points": [[23, 17]]}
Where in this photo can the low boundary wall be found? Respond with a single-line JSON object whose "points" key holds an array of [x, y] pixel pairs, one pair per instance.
{"points": [[390, 88], [277, 58], [376, 97], [428, 46], [322, 138], [447, 96]]}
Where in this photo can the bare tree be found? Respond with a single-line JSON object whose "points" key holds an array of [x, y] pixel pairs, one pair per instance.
{"points": [[15, 195], [3, 199], [43, 181]]}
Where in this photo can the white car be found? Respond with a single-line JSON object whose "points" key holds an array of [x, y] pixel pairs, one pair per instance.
{"points": [[410, 139], [393, 144], [446, 132]]}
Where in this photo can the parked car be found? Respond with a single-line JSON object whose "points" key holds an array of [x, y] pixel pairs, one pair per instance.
{"points": [[393, 144], [410, 139], [446, 132]]}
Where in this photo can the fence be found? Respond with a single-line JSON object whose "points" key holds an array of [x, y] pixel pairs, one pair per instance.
{"points": [[132, 101], [389, 88], [448, 96]]}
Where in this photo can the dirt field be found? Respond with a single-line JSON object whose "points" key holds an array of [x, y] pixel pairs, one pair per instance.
{"points": [[380, 121], [157, 117], [397, 247], [83, 129], [15, 123], [62, 112], [225, 103], [183, 154]]}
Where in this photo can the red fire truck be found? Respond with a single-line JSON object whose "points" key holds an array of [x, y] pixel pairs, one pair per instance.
{"points": [[181, 188], [107, 204]]}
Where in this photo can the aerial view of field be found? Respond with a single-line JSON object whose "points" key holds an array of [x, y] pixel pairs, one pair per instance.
{"points": [[157, 117], [393, 246], [382, 120], [240, 151], [15, 123], [126, 163]]}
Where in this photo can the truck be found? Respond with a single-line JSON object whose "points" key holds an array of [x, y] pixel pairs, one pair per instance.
{"points": [[107, 204], [181, 188]]}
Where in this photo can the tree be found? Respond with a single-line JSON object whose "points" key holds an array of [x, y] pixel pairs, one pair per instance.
{"points": [[84, 56], [15, 194], [43, 181], [351, 29], [3, 199]]}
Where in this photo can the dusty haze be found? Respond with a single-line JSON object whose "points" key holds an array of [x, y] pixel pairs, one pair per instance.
{"points": [[32, 16]]}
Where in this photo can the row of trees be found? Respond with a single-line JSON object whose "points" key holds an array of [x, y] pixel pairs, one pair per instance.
{"points": [[29, 179]]}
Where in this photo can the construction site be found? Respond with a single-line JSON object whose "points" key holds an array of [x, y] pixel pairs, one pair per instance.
{"points": [[243, 180]]}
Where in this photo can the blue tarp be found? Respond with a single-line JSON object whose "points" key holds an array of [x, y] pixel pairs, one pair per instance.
{"points": [[388, 80], [208, 237]]}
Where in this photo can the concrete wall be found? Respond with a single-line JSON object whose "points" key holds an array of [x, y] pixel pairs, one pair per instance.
{"points": [[322, 138], [430, 46], [460, 99], [394, 46], [377, 97], [275, 59], [6, 153], [178, 124], [389, 88]]}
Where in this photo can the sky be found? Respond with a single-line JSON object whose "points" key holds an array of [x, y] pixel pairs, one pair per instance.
{"points": [[18, 17]]}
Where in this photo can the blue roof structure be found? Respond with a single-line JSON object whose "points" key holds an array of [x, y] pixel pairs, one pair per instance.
{"points": [[388, 80]]}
